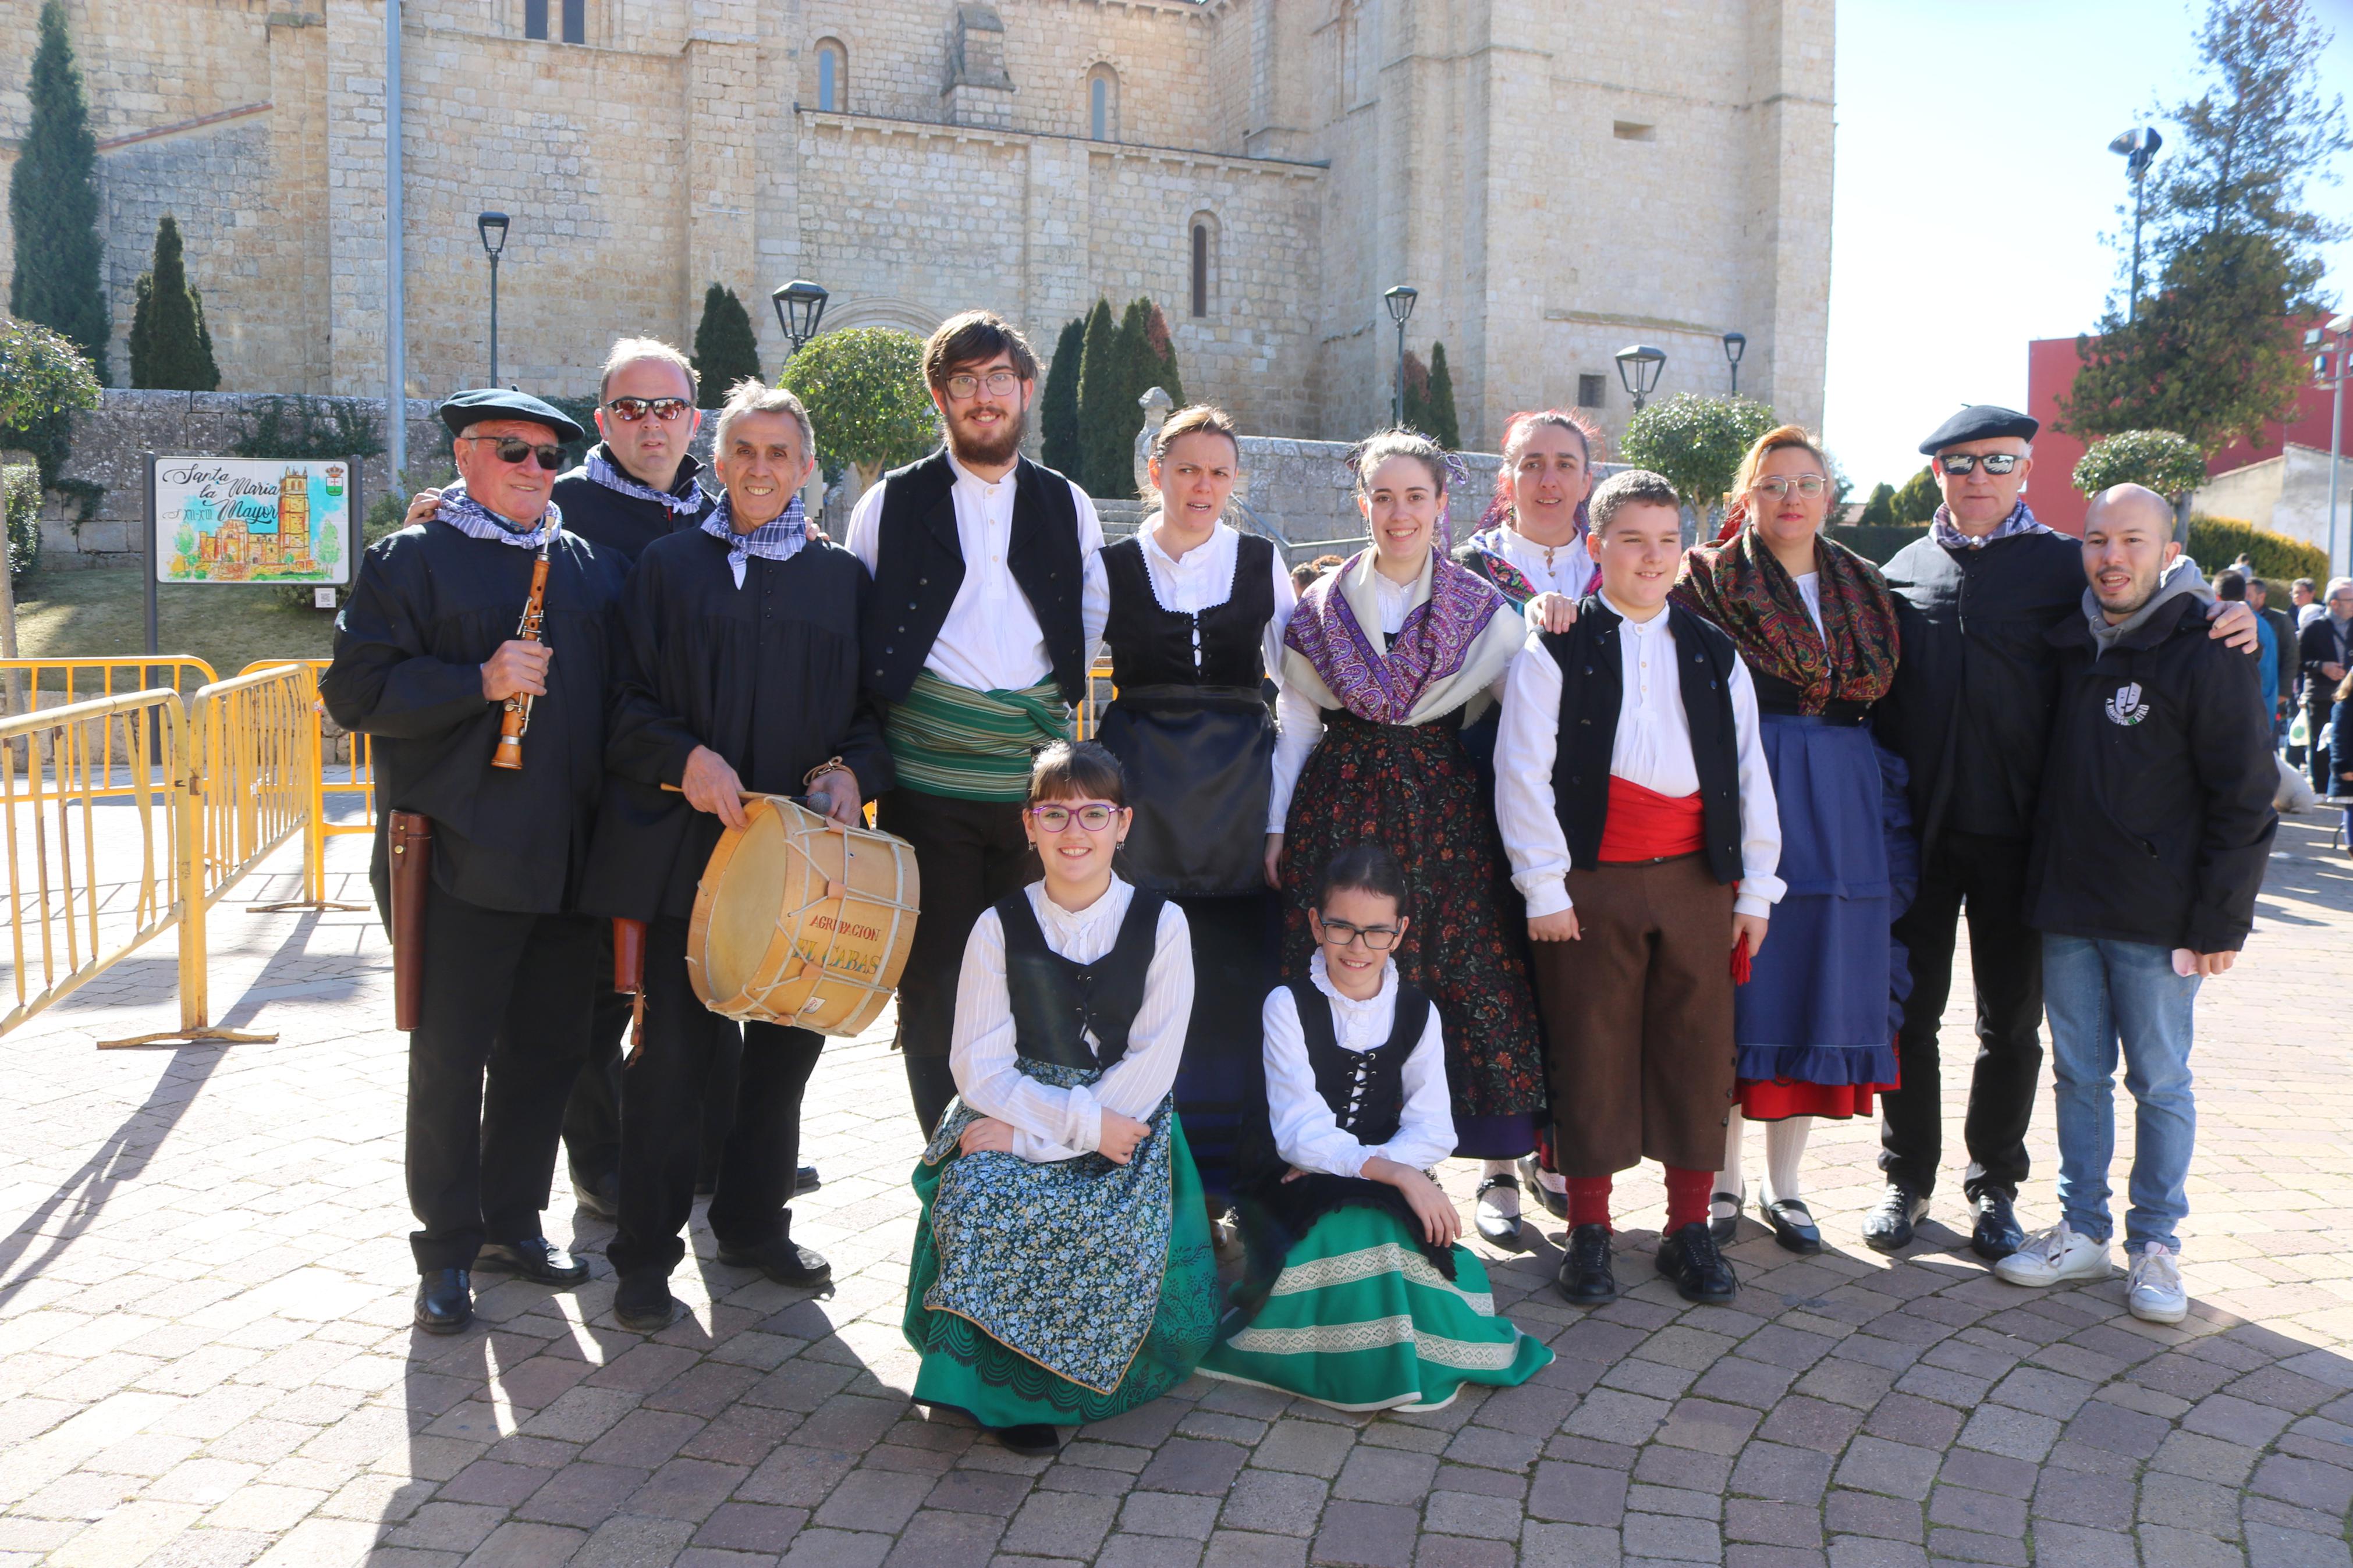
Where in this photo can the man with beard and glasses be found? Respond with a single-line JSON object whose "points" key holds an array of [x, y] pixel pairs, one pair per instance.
{"points": [[989, 600]]}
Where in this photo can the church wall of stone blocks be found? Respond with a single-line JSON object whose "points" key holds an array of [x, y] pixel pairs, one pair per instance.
{"points": [[1558, 177]]}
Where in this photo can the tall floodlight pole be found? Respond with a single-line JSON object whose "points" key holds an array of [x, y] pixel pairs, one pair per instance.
{"points": [[396, 345], [2139, 148]]}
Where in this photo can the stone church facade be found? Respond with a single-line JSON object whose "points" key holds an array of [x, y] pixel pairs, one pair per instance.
{"points": [[1558, 177]]}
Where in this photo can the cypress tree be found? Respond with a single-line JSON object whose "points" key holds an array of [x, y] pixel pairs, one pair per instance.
{"points": [[1163, 346], [1413, 404], [725, 349], [1443, 427], [1137, 368], [1100, 384], [1058, 406], [170, 347], [53, 203]]}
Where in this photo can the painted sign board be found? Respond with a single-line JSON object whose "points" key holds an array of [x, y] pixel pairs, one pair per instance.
{"points": [[254, 519]]}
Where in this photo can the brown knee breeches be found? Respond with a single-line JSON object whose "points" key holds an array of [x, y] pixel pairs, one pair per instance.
{"points": [[1638, 1018]]}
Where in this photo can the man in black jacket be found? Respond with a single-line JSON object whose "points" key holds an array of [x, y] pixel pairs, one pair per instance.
{"points": [[425, 658], [740, 671], [2286, 646], [2326, 651], [2154, 830], [1969, 715]]}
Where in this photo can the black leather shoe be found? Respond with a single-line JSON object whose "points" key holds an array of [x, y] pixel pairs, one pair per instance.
{"points": [[1793, 1225], [445, 1301], [601, 1198], [536, 1258], [1724, 1228], [1996, 1234], [1888, 1226], [806, 1180], [1032, 1439], [643, 1304], [783, 1260], [1532, 1178], [1501, 1231], [1585, 1277], [1689, 1257]]}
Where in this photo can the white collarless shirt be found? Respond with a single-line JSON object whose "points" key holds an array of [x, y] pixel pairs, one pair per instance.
{"points": [[1652, 748], [1306, 1131], [1203, 578], [1052, 1123], [1568, 572], [990, 640]]}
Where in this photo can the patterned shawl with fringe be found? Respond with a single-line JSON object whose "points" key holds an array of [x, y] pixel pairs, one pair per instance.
{"points": [[1739, 584]]}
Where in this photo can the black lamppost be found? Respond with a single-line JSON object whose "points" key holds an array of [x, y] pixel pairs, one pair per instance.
{"points": [[1734, 345], [2139, 148], [1639, 368], [492, 228], [1399, 301], [800, 306]]}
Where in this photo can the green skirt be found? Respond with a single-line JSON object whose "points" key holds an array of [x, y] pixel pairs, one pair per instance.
{"points": [[1359, 1319], [964, 1366]]}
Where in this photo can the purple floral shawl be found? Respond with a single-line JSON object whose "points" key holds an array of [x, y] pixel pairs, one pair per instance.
{"points": [[1431, 645]]}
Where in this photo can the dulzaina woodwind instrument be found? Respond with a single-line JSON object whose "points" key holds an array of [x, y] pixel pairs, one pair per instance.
{"points": [[516, 718]]}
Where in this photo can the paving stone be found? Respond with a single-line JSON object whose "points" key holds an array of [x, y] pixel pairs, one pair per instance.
{"points": [[1188, 1465], [1263, 1501], [1242, 1549], [937, 1539], [1366, 1535], [1309, 1447]]}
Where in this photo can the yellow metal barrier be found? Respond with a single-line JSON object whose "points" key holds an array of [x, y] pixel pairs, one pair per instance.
{"points": [[97, 892], [257, 739], [28, 684], [354, 774]]}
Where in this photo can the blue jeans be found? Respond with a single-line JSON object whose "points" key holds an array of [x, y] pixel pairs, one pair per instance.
{"points": [[2099, 994]]}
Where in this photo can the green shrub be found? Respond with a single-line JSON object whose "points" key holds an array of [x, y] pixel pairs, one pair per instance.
{"points": [[1058, 404], [2216, 541], [1696, 442], [1917, 500], [20, 492], [726, 350], [171, 349], [2168, 464], [1881, 508], [865, 394], [1876, 542], [308, 429]]}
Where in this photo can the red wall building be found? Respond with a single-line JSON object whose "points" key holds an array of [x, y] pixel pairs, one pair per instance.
{"points": [[2051, 364]]}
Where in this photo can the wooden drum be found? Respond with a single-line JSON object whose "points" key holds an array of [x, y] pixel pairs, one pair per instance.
{"points": [[802, 922]]}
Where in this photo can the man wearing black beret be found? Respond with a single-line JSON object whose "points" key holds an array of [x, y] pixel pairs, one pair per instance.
{"points": [[1970, 715], [425, 658]]}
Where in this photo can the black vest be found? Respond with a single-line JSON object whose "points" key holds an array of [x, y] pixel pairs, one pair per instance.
{"points": [[1366, 1090], [1151, 645], [1592, 688], [919, 566], [1056, 1000]]}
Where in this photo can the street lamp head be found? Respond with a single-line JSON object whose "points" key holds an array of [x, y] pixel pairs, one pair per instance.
{"points": [[492, 228], [1734, 345], [800, 306], [2138, 147], [1399, 301], [1639, 368]]}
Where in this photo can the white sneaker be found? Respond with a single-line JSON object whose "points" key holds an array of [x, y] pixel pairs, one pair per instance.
{"points": [[2054, 1254], [2155, 1294]]}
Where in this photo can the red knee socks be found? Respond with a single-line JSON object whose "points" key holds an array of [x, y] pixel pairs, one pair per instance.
{"points": [[1687, 1196], [1588, 1200]]}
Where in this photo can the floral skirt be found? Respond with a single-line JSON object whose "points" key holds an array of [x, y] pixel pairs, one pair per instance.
{"points": [[1414, 790]]}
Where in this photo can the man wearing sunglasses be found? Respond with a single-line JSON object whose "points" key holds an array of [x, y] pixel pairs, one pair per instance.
{"points": [[426, 658], [989, 600], [1970, 714]]}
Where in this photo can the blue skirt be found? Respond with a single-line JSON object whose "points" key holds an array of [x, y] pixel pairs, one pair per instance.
{"points": [[1816, 1010]]}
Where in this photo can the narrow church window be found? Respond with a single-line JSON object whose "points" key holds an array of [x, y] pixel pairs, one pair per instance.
{"points": [[1102, 104], [575, 21], [832, 86], [1590, 389], [1629, 131], [1200, 269], [534, 18]]}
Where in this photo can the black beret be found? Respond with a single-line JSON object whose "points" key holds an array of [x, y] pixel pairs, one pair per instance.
{"points": [[465, 408], [1982, 422]]}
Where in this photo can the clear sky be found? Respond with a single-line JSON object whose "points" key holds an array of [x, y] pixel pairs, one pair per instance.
{"points": [[1973, 185]]}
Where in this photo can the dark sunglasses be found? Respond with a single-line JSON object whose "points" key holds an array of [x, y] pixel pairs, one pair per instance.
{"points": [[515, 449], [1959, 463], [629, 410]]}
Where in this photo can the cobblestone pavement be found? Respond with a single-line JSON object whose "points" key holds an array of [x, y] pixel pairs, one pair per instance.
{"points": [[205, 1355]]}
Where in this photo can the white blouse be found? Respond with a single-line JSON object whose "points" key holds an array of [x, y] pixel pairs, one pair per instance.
{"points": [[1568, 572], [1052, 1123], [1653, 749], [1203, 578], [1307, 1133], [1809, 589]]}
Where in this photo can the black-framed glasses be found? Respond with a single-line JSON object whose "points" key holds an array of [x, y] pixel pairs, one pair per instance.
{"points": [[1001, 383], [1959, 463], [1807, 485], [515, 449], [1094, 817], [1341, 934], [629, 410]]}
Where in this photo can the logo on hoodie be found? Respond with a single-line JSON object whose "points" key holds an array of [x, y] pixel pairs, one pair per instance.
{"points": [[2124, 706]]}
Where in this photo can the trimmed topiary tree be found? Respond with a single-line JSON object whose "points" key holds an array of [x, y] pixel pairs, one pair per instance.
{"points": [[53, 203], [865, 393], [1918, 498], [1058, 404], [170, 348], [1696, 442], [2170, 464], [1880, 509], [726, 349]]}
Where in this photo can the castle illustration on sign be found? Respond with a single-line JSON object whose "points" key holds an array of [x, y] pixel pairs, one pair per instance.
{"points": [[232, 522]]}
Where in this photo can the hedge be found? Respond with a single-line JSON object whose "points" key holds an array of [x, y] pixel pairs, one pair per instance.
{"points": [[2216, 541], [1875, 542], [20, 490]]}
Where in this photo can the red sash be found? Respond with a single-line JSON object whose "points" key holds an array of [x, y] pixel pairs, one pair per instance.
{"points": [[1644, 825]]}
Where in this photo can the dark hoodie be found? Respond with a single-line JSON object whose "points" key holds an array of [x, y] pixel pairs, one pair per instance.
{"points": [[2156, 819]]}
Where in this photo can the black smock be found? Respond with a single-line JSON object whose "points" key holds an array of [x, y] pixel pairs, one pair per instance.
{"points": [[622, 524], [1197, 745]]}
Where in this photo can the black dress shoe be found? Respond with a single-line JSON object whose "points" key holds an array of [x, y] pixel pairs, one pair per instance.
{"points": [[1036, 1440], [1996, 1234], [1888, 1228], [1793, 1225], [1723, 1226], [1532, 1177], [1689, 1257], [601, 1198], [536, 1258], [445, 1301], [643, 1304], [783, 1260], [1585, 1277], [804, 1180], [1498, 1230]]}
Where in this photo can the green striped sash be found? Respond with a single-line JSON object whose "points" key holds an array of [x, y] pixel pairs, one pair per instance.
{"points": [[973, 745]]}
